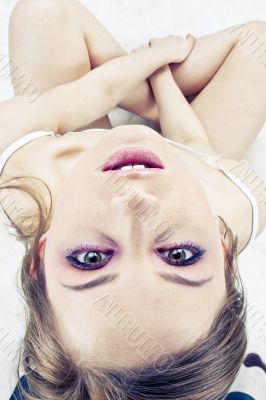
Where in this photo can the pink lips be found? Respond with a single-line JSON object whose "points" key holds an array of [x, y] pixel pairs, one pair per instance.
{"points": [[132, 155]]}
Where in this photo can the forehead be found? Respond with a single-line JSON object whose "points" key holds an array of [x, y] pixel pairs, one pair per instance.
{"points": [[112, 325]]}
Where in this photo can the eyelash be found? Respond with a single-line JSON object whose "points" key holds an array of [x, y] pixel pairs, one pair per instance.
{"points": [[193, 247], [73, 253], [198, 253]]}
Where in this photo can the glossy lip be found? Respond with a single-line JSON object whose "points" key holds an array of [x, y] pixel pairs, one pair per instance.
{"points": [[132, 155]]}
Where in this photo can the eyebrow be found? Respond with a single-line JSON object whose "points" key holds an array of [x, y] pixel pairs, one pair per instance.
{"points": [[170, 277], [94, 283], [183, 281]]}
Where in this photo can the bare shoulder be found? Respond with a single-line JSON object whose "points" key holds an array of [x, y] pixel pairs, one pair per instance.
{"points": [[19, 116], [225, 196], [201, 144]]}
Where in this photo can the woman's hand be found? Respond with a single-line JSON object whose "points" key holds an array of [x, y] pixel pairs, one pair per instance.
{"points": [[176, 47], [79, 103]]}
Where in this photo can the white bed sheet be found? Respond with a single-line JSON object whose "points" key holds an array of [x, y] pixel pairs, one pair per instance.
{"points": [[134, 23]]}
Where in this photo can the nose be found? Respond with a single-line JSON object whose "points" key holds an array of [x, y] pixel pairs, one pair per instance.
{"points": [[133, 203], [135, 209]]}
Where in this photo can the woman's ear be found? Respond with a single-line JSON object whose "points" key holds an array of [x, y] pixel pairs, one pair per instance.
{"points": [[222, 229], [40, 251], [224, 245]]}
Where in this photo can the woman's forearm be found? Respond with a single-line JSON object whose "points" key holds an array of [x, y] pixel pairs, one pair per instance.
{"points": [[81, 102], [178, 120], [124, 74], [141, 102], [192, 75]]}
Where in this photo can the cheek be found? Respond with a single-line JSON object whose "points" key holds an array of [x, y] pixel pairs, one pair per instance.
{"points": [[84, 203]]}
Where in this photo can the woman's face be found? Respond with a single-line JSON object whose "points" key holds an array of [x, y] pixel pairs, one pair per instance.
{"points": [[133, 261]]}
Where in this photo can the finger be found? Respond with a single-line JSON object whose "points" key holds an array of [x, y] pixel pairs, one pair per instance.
{"points": [[144, 47], [153, 40], [191, 40], [191, 37]]}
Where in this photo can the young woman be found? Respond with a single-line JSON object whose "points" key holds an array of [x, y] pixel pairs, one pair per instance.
{"points": [[127, 233]]}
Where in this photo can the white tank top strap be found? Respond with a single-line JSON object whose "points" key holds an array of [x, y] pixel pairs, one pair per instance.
{"points": [[77, 132], [209, 158], [250, 196], [213, 161], [12, 148]]}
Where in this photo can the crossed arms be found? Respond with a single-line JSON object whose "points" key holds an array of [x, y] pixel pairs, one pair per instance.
{"points": [[81, 102]]}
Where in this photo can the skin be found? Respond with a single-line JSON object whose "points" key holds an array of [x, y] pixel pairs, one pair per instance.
{"points": [[147, 299], [214, 71], [81, 320]]}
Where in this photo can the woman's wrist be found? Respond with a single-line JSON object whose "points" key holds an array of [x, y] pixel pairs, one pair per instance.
{"points": [[162, 71], [164, 51], [161, 57], [160, 77]]}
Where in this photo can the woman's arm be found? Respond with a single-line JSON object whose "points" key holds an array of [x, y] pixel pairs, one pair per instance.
{"points": [[70, 59], [191, 76], [178, 120], [77, 104]]}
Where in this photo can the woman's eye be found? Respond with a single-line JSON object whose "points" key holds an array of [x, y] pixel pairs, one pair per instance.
{"points": [[182, 255], [89, 260]]}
